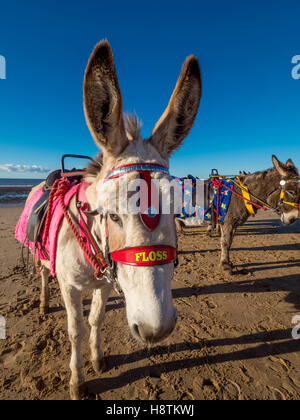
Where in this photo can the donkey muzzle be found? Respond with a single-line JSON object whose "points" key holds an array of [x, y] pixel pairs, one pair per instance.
{"points": [[149, 334]]}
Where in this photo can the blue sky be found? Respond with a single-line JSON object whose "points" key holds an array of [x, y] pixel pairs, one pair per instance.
{"points": [[250, 104]]}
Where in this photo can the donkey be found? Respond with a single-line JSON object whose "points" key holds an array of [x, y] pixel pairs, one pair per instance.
{"points": [[277, 187], [147, 289]]}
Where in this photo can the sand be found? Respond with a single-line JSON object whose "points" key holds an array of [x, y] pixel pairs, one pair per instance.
{"points": [[233, 339]]}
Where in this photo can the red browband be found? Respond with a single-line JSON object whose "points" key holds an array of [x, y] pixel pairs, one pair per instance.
{"points": [[150, 208], [146, 255]]}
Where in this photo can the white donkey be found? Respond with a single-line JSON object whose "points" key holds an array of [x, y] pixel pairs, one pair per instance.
{"points": [[147, 289]]}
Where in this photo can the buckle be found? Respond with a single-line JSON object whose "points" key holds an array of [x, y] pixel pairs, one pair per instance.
{"points": [[109, 277]]}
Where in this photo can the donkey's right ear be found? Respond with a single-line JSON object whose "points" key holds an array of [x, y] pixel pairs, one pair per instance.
{"points": [[103, 102], [177, 120], [290, 163], [280, 167]]}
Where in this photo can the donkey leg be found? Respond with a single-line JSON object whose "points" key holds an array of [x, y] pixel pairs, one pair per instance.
{"points": [[76, 329], [227, 233], [96, 317], [209, 230], [179, 225], [218, 230], [44, 299]]}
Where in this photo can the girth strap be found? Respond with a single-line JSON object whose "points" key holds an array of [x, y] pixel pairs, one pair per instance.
{"points": [[246, 195]]}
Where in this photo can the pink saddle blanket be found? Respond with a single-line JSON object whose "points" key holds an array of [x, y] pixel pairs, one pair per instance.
{"points": [[56, 219]]}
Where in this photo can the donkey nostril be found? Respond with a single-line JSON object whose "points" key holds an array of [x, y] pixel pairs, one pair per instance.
{"points": [[145, 333], [149, 334], [175, 317], [142, 332], [135, 329]]}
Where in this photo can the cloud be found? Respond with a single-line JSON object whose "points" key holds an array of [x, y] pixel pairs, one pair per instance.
{"points": [[9, 167]]}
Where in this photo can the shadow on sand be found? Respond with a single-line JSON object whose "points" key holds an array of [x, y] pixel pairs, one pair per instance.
{"points": [[273, 343], [260, 227]]}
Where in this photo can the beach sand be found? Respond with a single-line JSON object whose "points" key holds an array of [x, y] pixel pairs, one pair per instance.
{"points": [[10, 249], [232, 341]]}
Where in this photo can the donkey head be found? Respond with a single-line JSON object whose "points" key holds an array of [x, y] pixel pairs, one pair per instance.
{"points": [[289, 198], [147, 289]]}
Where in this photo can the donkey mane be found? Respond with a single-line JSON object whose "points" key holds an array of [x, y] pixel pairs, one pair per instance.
{"points": [[261, 174], [93, 169], [292, 173], [133, 131], [133, 126]]}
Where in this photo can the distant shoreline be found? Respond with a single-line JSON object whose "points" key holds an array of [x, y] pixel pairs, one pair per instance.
{"points": [[13, 192], [13, 195]]}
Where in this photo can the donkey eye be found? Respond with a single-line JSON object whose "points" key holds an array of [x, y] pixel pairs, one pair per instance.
{"points": [[292, 193], [114, 217]]}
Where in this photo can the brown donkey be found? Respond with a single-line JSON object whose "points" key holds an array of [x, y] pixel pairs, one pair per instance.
{"points": [[277, 187], [147, 289]]}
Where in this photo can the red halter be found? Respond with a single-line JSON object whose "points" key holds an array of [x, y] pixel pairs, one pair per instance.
{"points": [[150, 216], [146, 255]]}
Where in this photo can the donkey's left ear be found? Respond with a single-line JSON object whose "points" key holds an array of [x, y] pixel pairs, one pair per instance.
{"points": [[103, 102], [290, 163], [178, 119], [287, 170], [279, 166]]}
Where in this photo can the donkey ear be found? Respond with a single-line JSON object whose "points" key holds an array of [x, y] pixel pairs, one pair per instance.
{"points": [[280, 167], [177, 120], [291, 166], [103, 102], [290, 163]]}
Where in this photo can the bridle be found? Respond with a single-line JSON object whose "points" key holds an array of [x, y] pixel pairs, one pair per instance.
{"points": [[283, 184], [248, 197], [150, 214]]}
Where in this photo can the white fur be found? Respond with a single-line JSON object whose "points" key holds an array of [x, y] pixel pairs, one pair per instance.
{"points": [[289, 217], [150, 311]]}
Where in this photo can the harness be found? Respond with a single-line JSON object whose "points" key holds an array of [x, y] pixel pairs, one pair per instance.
{"points": [[246, 195], [282, 193], [104, 264], [218, 182]]}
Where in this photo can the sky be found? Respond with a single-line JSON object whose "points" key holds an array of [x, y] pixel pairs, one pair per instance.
{"points": [[250, 104]]}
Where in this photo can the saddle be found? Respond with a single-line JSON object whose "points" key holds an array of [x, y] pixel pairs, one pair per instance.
{"points": [[39, 211], [208, 194]]}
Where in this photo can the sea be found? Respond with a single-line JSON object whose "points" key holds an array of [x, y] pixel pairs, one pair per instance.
{"points": [[14, 191]]}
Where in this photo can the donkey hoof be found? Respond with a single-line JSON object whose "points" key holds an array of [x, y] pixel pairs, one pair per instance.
{"points": [[78, 392], [44, 310], [100, 365], [227, 266], [244, 272]]}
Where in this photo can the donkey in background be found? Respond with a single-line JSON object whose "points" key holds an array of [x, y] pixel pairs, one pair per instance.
{"points": [[265, 185], [147, 290]]}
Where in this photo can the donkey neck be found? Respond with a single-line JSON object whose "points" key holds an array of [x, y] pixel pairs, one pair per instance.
{"points": [[262, 184]]}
